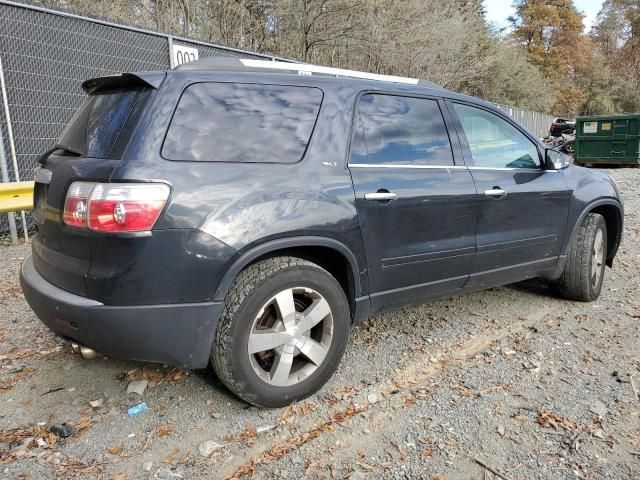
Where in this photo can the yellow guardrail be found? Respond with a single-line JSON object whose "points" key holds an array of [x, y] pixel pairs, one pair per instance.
{"points": [[16, 196]]}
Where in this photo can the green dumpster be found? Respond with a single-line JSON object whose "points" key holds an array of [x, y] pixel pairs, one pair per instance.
{"points": [[608, 139]]}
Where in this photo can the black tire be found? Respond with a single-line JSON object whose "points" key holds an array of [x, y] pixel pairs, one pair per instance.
{"points": [[577, 281], [253, 287]]}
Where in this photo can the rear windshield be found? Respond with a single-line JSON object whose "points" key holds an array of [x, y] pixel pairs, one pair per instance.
{"points": [[103, 126], [235, 122]]}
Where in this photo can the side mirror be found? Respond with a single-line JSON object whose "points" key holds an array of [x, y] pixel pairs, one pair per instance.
{"points": [[555, 160]]}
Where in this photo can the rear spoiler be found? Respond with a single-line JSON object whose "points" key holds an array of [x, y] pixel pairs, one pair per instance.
{"points": [[144, 79]]}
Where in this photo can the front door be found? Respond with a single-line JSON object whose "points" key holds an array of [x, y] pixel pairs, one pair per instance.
{"points": [[522, 208], [417, 209]]}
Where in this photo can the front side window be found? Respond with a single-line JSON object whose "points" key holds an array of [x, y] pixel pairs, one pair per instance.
{"points": [[494, 142], [235, 122], [393, 130]]}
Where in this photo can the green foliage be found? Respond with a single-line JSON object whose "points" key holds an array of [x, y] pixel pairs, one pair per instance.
{"points": [[598, 104], [515, 81]]}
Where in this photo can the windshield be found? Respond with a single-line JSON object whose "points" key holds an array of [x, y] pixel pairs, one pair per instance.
{"points": [[102, 127]]}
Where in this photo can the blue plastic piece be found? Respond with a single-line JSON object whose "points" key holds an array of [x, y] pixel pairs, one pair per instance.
{"points": [[137, 409]]}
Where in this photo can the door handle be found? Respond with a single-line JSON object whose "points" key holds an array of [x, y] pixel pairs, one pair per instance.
{"points": [[495, 192], [381, 196]]}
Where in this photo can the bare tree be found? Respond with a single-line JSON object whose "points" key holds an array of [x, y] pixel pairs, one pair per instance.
{"points": [[447, 41]]}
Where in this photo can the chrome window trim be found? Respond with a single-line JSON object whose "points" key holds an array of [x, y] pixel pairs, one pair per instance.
{"points": [[513, 169], [447, 167], [374, 165]]}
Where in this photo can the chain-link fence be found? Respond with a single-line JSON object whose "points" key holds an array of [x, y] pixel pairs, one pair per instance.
{"points": [[46, 54]]}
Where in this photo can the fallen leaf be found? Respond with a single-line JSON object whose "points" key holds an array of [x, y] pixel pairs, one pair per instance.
{"points": [[247, 436], [550, 419], [115, 450], [164, 431]]}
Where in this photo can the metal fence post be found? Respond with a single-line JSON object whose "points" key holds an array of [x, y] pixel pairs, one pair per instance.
{"points": [[170, 42], [5, 178], [12, 146]]}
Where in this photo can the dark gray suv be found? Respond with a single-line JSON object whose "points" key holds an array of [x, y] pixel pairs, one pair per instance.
{"points": [[248, 213]]}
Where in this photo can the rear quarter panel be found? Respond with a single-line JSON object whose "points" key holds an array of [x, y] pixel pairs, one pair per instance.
{"points": [[246, 204]]}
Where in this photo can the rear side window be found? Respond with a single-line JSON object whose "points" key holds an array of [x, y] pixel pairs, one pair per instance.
{"points": [[104, 124], [235, 122], [393, 130]]}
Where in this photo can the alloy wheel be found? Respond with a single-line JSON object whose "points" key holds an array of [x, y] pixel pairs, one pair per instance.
{"points": [[290, 336]]}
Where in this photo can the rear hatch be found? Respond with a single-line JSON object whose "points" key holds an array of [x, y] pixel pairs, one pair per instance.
{"points": [[89, 149]]}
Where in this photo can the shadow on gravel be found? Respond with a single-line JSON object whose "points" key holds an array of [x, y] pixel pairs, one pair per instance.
{"points": [[211, 380], [535, 286]]}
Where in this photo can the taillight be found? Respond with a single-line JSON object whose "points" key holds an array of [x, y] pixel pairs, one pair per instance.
{"points": [[114, 207], [75, 206]]}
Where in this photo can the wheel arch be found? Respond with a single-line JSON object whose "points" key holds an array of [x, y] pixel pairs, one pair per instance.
{"points": [[613, 215], [330, 254]]}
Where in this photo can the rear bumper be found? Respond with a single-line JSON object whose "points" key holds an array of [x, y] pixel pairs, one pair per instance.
{"points": [[177, 334]]}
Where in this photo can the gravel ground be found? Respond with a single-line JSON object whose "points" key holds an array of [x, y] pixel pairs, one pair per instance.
{"points": [[511, 380]]}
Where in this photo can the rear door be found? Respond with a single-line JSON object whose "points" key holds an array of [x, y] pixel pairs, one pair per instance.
{"points": [[416, 205], [522, 208]]}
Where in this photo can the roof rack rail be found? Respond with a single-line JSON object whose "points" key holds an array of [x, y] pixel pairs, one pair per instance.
{"points": [[234, 64]]}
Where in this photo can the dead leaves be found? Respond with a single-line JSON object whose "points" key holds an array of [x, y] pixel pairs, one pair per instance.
{"points": [[32, 440], [37, 441], [163, 431], [247, 437], [550, 419], [291, 413], [17, 354], [72, 467], [24, 440], [344, 393], [293, 443], [348, 392], [81, 425], [409, 400], [116, 449], [397, 454], [462, 390], [289, 416], [176, 456], [426, 450], [8, 381], [156, 375]]}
